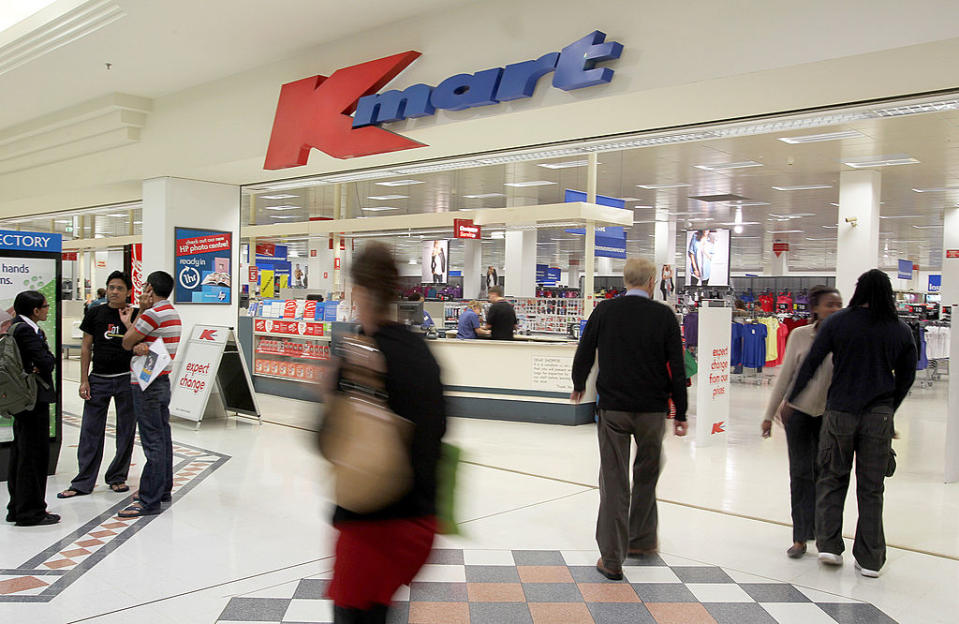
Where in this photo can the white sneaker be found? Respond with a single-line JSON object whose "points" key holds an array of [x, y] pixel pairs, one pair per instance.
{"points": [[830, 559], [867, 573]]}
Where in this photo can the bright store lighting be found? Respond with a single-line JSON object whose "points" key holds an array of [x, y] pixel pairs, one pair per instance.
{"points": [[826, 136], [484, 196], [746, 204], [569, 164], [830, 227], [901, 217], [927, 227], [284, 217], [785, 216], [937, 189], [497, 235], [913, 109], [379, 208], [787, 232], [399, 182], [283, 207], [745, 164], [741, 223], [530, 183], [527, 156], [828, 238], [386, 197], [738, 229], [449, 166], [803, 187], [279, 196], [881, 161], [658, 187]]}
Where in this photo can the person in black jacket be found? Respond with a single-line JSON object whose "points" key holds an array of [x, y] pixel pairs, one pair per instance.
{"points": [[30, 453], [378, 552], [874, 364], [640, 368]]}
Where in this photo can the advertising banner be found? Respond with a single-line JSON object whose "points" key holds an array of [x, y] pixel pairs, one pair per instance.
{"points": [[23, 273], [435, 268], [935, 283], [707, 258], [905, 269], [202, 266], [610, 241], [712, 387]]}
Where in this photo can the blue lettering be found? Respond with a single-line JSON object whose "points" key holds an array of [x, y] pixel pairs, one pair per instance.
{"points": [[577, 63], [467, 90], [519, 79], [393, 106]]}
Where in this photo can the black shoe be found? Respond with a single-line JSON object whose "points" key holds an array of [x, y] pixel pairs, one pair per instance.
{"points": [[166, 498], [11, 517], [613, 575], [45, 520]]}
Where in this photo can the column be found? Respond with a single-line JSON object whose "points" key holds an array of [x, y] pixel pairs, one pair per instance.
{"points": [[175, 202], [473, 274], [858, 233], [572, 280], [320, 265], [604, 266], [774, 265], [950, 297], [520, 266]]}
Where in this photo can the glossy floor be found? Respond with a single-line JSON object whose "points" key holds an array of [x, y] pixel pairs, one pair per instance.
{"points": [[250, 518]]}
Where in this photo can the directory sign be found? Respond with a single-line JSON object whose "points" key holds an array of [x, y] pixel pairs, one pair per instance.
{"points": [[707, 258], [202, 266]]}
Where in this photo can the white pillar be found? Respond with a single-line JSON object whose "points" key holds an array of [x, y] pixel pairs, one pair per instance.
{"points": [[774, 265], [320, 274], [572, 277], [950, 297], [175, 202], [664, 244], [858, 234], [589, 269], [474, 277], [520, 266], [604, 266]]}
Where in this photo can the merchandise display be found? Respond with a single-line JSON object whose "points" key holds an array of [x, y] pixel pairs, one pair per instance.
{"points": [[289, 343]]}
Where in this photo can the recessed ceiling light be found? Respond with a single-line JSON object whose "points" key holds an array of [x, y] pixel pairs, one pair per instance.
{"points": [[285, 207], [744, 164], [386, 197], [746, 204], [632, 199], [657, 187], [787, 232], [565, 165], [828, 238], [880, 161], [498, 235], [64, 220], [399, 182], [280, 196], [484, 196], [831, 227], [900, 217], [825, 136], [529, 183], [284, 217], [926, 227], [784, 216], [803, 187], [379, 208], [937, 189], [742, 223]]}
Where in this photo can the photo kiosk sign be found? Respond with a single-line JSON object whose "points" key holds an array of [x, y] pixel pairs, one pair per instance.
{"points": [[202, 263], [212, 357], [32, 261]]}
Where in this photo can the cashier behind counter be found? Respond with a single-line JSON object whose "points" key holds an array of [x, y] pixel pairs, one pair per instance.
{"points": [[469, 326]]}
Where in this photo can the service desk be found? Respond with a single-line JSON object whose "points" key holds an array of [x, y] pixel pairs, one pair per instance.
{"points": [[520, 380]]}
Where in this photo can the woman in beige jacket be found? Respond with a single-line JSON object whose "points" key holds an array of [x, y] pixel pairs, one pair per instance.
{"points": [[802, 418]]}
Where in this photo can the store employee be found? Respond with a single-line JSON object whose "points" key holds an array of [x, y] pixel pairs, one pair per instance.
{"points": [[469, 323], [501, 318], [427, 319]]}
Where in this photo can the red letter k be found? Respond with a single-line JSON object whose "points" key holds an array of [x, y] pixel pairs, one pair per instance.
{"points": [[315, 112]]}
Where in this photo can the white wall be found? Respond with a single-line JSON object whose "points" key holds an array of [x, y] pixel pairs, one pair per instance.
{"points": [[682, 64]]}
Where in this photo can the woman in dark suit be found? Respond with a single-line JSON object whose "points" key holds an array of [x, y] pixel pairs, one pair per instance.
{"points": [[30, 452]]}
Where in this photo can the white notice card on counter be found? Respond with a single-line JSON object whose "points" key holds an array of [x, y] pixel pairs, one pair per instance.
{"points": [[553, 374]]}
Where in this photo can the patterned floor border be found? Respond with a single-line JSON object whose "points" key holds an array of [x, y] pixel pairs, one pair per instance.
{"points": [[44, 576], [563, 587]]}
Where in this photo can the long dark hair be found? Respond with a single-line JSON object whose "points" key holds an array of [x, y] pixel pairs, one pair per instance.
{"points": [[816, 293], [874, 291]]}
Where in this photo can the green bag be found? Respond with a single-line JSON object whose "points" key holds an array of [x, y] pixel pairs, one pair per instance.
{"points": [[446, 489], [691, 367]]}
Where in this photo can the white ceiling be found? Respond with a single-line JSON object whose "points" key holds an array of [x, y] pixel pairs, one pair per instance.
{"points": [[162, 47]]}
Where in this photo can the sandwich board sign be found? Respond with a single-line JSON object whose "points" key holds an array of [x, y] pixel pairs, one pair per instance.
{"points": [[212, 357]]}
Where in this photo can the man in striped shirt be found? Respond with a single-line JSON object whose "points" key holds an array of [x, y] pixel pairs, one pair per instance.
{"points": [[158, 320]]}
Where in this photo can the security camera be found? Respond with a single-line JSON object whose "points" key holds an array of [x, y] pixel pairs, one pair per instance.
{"points": [[853, 221]]}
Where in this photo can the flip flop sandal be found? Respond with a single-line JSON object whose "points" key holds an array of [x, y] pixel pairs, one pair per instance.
{"points": [[119, 488], [76, 493], [136, 511]]}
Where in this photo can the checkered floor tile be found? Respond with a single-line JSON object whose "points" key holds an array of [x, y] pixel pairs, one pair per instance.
{"points": [[563, 587]]}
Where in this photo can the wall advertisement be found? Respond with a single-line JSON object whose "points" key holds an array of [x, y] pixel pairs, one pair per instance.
{"points": [[435, 267], [202, 270]]}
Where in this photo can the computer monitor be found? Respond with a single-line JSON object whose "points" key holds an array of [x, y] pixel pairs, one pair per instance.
{"points": [[409, 312]]}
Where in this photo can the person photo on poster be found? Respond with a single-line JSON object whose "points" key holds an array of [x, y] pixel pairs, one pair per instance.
{"points": [[435, 261], [707, 258]]}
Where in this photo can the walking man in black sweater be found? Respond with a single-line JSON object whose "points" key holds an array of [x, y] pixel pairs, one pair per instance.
{"points": [[640, 368]]}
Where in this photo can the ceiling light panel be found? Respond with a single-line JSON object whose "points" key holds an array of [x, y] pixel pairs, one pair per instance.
{"points": [[565, 165], [399, 182], [937, 189], [745, 164], [484, 196], [279, 196], [282, 208], [880, 161], [803, 187], [529, 183], [659, 187], [825, 136], [379, 208], [386, 197]]}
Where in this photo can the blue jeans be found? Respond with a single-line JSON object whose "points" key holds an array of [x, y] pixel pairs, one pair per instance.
{"points": [[153, 418]]}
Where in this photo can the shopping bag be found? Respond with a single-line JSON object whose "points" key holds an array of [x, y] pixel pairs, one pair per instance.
{"points": [[691, 367], [446, 489]]}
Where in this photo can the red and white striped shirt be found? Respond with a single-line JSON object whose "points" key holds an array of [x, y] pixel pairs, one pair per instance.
{"points": [[160, 322]]}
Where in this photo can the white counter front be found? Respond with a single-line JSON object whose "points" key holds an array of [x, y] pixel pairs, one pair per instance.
{"points": [[512, 380]]}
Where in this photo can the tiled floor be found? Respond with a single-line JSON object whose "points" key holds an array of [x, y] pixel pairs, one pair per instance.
{"points": [[257, 526], [552, 587]]}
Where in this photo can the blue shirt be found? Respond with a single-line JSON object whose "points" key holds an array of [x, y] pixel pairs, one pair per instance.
{"points": [[636, 292], [468, 323], [427, 320]]}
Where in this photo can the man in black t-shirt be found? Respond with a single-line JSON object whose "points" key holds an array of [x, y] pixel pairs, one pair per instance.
{"points": [[110, 379], [500, 318]]}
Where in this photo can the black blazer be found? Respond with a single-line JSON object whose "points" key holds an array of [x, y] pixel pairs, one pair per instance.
{"points": [[36, 354]]}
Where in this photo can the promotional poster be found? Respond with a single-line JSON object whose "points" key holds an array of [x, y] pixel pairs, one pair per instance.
{"points": [[202, 266], [436, 256], [707, 258]]}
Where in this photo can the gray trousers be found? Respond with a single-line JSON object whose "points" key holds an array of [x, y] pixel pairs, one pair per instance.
{"points": [[93, 432], [868, 437], [628, 520]]}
